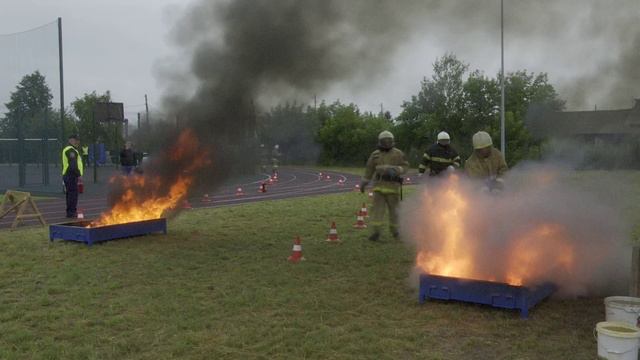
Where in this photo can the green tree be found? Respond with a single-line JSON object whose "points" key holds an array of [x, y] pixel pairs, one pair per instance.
{"points": [[108, 133], [29, 109], [294, 129], [462, 104], [347, 136]]}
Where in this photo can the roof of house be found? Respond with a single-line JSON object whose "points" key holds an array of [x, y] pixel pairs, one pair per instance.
{"points": [[571, 123]]}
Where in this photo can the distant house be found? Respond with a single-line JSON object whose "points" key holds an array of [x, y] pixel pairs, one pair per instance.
{"points": [[600, 126]]}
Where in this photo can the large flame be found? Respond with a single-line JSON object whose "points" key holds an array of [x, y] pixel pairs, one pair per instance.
{"points": [[452, 240], [152, 196]]}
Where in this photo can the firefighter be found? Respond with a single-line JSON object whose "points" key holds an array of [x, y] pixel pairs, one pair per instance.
{"points": [[72, 169], [486, 163], [275, 159], [85, 155], [385, 167], [440, 156], [264, 158]]}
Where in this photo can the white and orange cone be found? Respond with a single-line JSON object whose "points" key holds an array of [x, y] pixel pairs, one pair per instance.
{"points": [[356, 188], [341, 182], [186, 204], [239, 192], [206, 198], [333, 234], [80, 214], [370, 194], [360, 221], [364, 211], [407, 181], [327, 178], [296, 252], [262, 188]]}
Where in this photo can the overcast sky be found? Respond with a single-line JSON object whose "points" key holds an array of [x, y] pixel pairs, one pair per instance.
{"points": [[116, 45]]}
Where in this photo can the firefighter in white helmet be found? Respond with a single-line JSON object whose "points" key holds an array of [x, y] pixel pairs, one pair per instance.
{"points": [[440, 156], [385, 167], [486, 163]]}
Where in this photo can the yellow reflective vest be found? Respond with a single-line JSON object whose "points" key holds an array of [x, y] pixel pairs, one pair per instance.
{"points": [[65, 160]]}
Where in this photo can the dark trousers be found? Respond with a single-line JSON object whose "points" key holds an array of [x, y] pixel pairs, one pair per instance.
{"points": [[71, 185]]}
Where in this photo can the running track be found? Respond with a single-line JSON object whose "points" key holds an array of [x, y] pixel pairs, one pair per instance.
{"points": [[293, 182]]}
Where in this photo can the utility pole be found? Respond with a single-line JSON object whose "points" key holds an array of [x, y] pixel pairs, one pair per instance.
{"points": [[503, 145], [61, 141], [138, 128], [146, 107]]}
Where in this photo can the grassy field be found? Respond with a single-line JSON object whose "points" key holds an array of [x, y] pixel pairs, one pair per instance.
{"points": [[219, 287]]}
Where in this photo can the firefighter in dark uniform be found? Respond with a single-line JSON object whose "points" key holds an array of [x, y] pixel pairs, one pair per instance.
{"points": [[440, 156], [385, 167], [72, 169]]}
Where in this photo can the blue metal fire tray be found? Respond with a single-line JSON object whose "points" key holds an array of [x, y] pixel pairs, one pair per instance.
{"points": [[78, 231], [495, 294]]}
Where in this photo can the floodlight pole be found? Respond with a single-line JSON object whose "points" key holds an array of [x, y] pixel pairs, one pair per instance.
{"points": [[61, 81], [503, 145]]}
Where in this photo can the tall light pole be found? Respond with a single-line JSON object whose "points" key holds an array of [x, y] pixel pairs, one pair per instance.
{"points": [[503, 145]]}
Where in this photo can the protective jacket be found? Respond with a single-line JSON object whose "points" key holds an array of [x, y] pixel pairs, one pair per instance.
{"points": [[385, 168], [438, 158], [71, 162], [493, 167]]}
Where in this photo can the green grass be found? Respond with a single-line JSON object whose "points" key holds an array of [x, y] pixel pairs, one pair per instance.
{"points": [[219, 287]]}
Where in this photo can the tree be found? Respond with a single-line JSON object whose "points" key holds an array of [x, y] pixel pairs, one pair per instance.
{"points": [[463, 104], [28, 109], [294, 129], [107, 133], [347, 136]]}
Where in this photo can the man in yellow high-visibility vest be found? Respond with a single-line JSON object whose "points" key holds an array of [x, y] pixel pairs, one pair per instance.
{"points": [[72, 169]]}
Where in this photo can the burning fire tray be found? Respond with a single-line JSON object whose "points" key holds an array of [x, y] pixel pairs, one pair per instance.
{"points": [[77, 231], [500, 295]]}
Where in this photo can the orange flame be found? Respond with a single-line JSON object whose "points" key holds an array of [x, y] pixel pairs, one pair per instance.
{"points": [[148, 197], [449, 245]]}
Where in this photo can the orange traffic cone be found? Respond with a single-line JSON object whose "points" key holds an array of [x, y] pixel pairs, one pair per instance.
{"points": [[407, 181], [327, 178], [205, 198], [239, 192], [262, 188], [341, 182], [270, 181], [275, 178], [356, 188], [296, 253], [80, 214], [186, 204], [333, 234], [360, 221], [364, 210], [370, 194]]}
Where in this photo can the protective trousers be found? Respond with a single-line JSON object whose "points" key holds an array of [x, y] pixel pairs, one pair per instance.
{"points": [[381, 202], [71, 186]]}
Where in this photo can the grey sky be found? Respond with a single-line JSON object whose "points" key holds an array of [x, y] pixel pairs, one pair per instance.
{"points": [[116, 45]]}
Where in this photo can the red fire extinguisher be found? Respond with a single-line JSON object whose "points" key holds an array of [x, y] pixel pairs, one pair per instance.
{"points": [[80, 185]]}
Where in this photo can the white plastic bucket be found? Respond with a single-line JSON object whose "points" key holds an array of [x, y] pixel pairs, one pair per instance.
{"points": [[618, 340], [624, 309]]}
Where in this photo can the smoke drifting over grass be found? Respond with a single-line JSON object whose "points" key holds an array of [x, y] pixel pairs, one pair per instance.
{"points": [[548, 225]]}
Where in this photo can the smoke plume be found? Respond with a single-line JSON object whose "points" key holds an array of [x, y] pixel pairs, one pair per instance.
{"points": [[549, 225]]}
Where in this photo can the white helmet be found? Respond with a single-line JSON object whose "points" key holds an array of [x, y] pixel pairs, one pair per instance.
{"points": [[443, 135], [481, 140], [385, 135]]}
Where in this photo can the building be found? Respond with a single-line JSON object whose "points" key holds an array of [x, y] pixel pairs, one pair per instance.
{"points": [[599, 126]]}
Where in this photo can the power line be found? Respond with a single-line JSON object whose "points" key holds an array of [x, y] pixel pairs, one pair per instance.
{"points": [[33, 29]]}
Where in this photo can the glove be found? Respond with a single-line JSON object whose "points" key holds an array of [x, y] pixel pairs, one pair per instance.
{"points": [[391, 172], [363, 185]]}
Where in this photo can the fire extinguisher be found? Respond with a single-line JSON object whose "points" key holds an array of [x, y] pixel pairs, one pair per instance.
{"points": [[80, 185]]}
